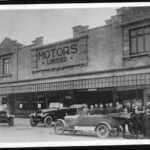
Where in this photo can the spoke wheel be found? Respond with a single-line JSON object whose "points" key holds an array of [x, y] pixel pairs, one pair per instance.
{"points": [[59, 128], [102, 131], [32, 123], [48, 121]]}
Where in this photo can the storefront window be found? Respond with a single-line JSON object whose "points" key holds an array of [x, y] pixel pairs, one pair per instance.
{"points": [[131, 96], [4, 100]]}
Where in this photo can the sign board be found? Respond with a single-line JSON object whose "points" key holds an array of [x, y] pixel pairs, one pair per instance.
{"points": [[1, 107], [5, 105], [62, 54], [20, 105], [39, 105], [68, 97]]}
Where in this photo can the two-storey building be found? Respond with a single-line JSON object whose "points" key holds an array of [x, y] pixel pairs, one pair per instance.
{"points": [[105, 64]]}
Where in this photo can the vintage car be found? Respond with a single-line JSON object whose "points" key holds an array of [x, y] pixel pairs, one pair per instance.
{"points": [[103, 125], [5, 117], [51, 114]]}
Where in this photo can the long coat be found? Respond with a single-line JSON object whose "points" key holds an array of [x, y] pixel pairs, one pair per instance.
{"points": [[147, 125]]}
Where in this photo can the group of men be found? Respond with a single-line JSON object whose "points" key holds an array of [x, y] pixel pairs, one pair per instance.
{"points": [[103, 109], [140, 113]]}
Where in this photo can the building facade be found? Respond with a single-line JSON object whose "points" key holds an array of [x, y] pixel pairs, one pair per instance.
{"points": [[105, 64]]}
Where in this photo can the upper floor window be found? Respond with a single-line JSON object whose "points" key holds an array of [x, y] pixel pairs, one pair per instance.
{"points": [[7, 66], [140, 40]]}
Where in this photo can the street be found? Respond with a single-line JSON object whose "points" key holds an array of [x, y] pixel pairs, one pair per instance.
{"points": [[23, 132], [23, 135]]}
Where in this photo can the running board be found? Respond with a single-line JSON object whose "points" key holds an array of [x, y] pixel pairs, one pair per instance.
{"points": [[84, 128]]}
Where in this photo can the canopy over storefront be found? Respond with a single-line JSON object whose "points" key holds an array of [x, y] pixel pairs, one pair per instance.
{"points": [[105, 82]]}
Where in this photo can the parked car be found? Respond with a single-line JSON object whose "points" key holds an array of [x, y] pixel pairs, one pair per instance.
{"points": [[103, 125], [54, 112], [5, 117]]}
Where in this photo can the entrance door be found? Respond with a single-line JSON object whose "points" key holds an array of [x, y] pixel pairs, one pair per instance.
{"points": [[11, 104]]}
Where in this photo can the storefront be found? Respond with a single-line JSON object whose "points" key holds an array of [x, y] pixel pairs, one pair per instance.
{"points": [[30, 97], [97, 65]]}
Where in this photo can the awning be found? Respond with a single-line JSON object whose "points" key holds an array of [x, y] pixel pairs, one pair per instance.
{"points": [[105, 82]]}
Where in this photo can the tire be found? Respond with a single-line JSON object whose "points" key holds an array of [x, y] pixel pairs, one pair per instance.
{"points": [[59, 128], [48, 121], [11, 121], [102, 131], [32, 123]]}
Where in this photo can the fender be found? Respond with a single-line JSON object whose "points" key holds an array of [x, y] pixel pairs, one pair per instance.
{"points": [[63, 121], [31, 115], [106, 123], [11, 116], [44, 115]]}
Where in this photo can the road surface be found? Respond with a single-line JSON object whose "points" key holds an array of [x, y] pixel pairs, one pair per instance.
{"points": [[23, 132]]}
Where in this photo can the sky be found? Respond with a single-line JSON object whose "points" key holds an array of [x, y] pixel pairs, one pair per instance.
{"points": [[53, 24]]}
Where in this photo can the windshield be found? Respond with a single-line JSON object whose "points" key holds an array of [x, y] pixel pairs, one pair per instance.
{"points": [[54, 105]]}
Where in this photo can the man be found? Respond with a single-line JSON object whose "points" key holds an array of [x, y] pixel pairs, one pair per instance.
{"points": [[91, 111], [147, 123], [118, 107], [96, 106], [106, 108], [129, 108], [91, 107], [106, 105], [95, 110], [85, 110], [110, 109], [147, 105], [101, 109], [139, 111]]}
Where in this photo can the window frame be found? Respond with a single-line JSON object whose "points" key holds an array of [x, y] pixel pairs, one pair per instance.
{"points": [[9, 66], [136, 36]]}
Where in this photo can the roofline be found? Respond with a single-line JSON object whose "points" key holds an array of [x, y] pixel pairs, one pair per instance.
{"points": [[96, 28], [135, 21], [59, 42]]}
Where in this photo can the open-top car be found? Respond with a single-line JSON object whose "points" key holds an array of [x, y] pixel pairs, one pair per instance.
{"points": [[103, 125], [5, 117], [54, 112]]}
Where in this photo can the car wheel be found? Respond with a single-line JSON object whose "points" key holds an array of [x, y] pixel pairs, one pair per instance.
{"points": [[32, 123], [48, 121], [102, 131], [11, 121], [59, 127]]}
